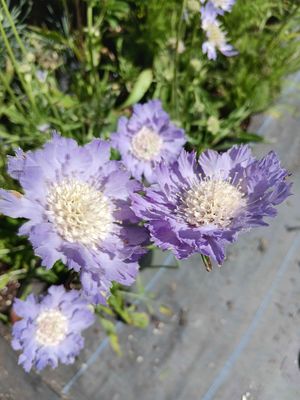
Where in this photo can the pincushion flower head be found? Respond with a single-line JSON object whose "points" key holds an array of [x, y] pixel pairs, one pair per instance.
{"points": [[199, 206], [216, 36], [50, 329], [78, 207], [147, 138]]}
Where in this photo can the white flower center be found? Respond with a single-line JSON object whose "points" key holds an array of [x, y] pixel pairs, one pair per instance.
{"points": [[52, 327], [215, 34], [146, 144], [214, 202], [80, 213]]}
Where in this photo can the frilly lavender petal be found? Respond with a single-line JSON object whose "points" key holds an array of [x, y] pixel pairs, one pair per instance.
{"points": [[50, 328], [199, 206], [209, 13], [147, 138], [78, 203], [220, 6]]}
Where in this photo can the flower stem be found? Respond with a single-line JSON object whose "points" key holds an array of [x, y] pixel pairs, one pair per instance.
{"points": [[11, 93], [175, 66], [13, 27], [207, 262], [26, 88], [15, 63], [90, 44]]}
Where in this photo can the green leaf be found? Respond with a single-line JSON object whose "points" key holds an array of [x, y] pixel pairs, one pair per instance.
{"points": [[50, 35], [140, 88], [3, 318], [117, 305], [166, 310], [105, 309], [13, 114], [249, 137], [110, 329], [63, 100], [11, 275], [115, 344], [139, 319], [4, 279], [46, 275]]}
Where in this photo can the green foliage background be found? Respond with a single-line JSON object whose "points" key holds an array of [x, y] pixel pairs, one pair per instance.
{"points": [[83, 64]]}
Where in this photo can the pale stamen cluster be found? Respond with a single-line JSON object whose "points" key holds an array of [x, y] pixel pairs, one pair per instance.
{"points": [[146, 144], [80, 212], [215, 34], [212, 201], [52, 328]]}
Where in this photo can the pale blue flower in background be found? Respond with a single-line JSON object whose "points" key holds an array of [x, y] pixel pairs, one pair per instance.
{"points": [[216, 36]]}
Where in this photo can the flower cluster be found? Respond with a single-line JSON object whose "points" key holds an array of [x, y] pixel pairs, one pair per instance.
{"points": [[50, 328], [97, 215], [216, 36]]}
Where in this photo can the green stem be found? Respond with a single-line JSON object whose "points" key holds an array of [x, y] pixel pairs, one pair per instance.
{"points": [[176, 59], [13, 26], [14, 61], [15, 64], [207, 262], [66, 11], [79, 23], [11, 92], [90, 45], [52, 107], [102, 14], [133, 295]]}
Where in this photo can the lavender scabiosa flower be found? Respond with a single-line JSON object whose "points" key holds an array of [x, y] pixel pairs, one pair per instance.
{"points": [[78, 207], [221, 5], [216, 36], [199, 206], [50, 328], [147, 138]]}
